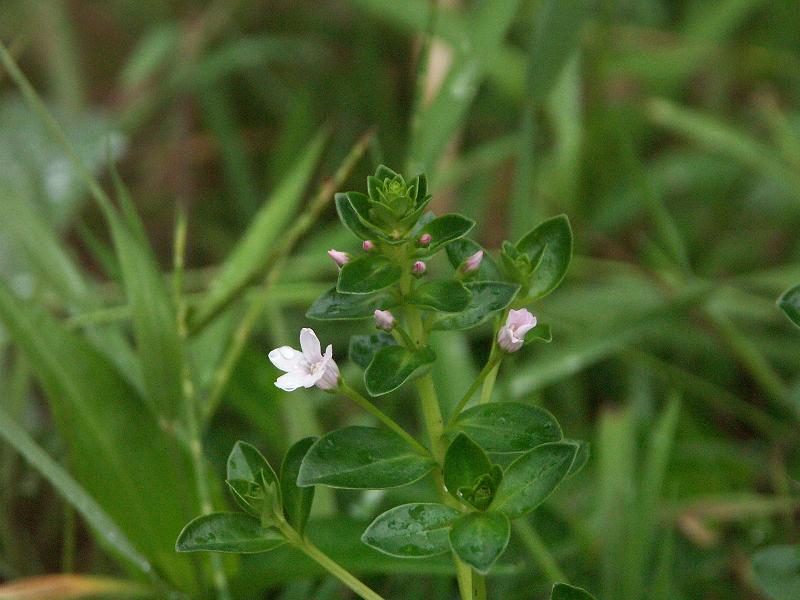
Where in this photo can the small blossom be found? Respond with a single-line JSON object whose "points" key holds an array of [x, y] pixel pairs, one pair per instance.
{"points": [[512, 335], [425, 239], [308, 367], [340, 258], [472, 263], [368, 245], [384, 320], [419, 268]]}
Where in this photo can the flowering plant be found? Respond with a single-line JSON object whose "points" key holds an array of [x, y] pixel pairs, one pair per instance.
{"points": [[489, 463]]}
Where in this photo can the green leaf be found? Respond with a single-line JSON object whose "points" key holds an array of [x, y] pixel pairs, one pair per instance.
{"points": [[296, 500], [334, 306], [464, 463], [562, 591], [362, 458], [549, 245], [487, 298], [480, 538], [246, 463], [540, 333], [581, 457], [444, 230], [249, 257], [777, 571], [413, 530], [393, 366], [367, 274], [364, 347], [789, 303], [119, 454], [531, 478], [446, 296], [460, 250], [350, 219], [508, 427], [236, 533]]}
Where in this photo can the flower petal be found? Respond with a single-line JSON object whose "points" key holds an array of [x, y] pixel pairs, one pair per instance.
{"points": [[309, 342], [286, 358], [289, 382]]}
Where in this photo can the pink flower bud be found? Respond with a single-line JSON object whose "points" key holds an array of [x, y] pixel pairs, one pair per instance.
{"points": [[384, 320], [419, 268], [368, 245], [425, 239], [512, 335], [340, 258], [472, 263]]}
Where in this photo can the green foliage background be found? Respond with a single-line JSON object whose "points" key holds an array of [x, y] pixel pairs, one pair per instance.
{"points": [[668, 131]]}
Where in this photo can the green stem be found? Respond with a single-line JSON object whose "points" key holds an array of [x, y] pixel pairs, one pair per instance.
{"points": [[478, 586], [327, 563], [490, 365], [190, 406], [539, 552], [488, 385], [381, 416]]}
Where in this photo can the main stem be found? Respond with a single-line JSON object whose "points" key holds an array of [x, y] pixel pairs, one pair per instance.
{"points": [[434, 424]]}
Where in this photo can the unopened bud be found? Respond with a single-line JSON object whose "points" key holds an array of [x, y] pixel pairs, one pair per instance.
{"points": [[340, 258], [368, 245], [472, 263], [419, 268], [425, 239], [384, 320]]}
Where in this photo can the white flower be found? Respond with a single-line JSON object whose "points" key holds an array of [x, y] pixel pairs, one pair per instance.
{"points": [[307, 368], [512, 335]]}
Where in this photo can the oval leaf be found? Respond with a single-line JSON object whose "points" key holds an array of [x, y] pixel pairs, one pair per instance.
{"points": [[296, 500], [245, 463], [349, 217], [362, 458], [363, 348], [480, 538], [549, 245], [540, 333], [228, 532], [367, 274], [460, 250], [412, 530], [506, 427], [531, 478], [464, 462], [581, 457], [333, 306], [445, 296], [393, 366], [446, 229], [789, 303], [562, 591], [487, 298], [777, 571]]}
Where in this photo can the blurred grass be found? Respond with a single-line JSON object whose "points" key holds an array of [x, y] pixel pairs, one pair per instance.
{"points": [[669, 131]]}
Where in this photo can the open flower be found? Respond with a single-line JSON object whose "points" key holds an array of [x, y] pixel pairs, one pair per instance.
{"points": [[512, 335], [307, 368]]}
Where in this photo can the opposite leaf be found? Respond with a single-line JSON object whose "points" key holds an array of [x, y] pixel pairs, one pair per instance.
{"points": [[392, 366], [350, 219], [296, 500], [464, 463], [550, 246], [245, 463], [789, 302], [480, 538], [562, 591], [531, 478], [363, 348], [412, 530], [445, 296], [334, 306], [367, 274], [508, 427], [362, 458], [487, 298], [446, 229], [228, 532]]}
